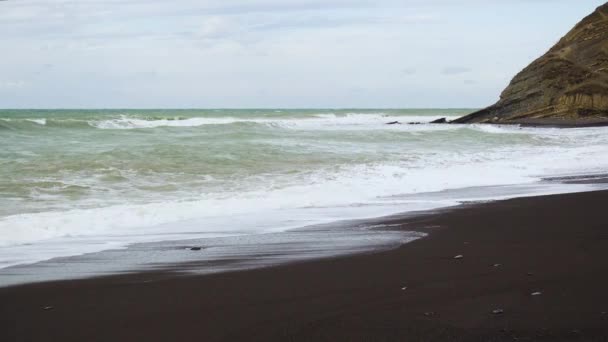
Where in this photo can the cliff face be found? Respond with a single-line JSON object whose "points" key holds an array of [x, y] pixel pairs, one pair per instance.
{"points": [[568, 84]]}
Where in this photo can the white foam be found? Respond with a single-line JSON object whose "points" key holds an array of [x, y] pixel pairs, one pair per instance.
{"points": [[38, 121], [133, 123], [370, 188], [364, 190], [318, 121]]}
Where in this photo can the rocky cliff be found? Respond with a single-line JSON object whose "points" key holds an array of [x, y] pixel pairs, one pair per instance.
{"points": [[567, 85]]}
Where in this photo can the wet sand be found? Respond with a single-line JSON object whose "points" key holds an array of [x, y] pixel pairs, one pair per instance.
{"points": [[553, 246]]}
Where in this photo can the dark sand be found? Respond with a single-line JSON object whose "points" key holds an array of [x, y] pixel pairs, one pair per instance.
{"points": [[557, 245]]}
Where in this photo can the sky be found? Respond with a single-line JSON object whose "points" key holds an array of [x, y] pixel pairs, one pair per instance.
{"points": [[272, 53]]}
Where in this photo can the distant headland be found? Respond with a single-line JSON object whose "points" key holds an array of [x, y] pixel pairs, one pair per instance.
{"points": [[567, 86]]}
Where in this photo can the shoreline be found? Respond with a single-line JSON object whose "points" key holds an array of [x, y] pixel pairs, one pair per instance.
{"points": [[343, 237], [556, 245]]}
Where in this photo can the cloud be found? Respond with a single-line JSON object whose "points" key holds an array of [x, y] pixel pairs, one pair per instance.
{"points": [[455, 70], [409, 71], [248, 53], [11, 85], [215, 27]]}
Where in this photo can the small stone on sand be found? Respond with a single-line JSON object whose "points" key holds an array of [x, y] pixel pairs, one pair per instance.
{"points": [[47, 308], [498, 311], [496, 265], [537, 293], [404, 288], [459, 256]]}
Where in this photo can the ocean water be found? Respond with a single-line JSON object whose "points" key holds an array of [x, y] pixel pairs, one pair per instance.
{"points": [[82, 181]]}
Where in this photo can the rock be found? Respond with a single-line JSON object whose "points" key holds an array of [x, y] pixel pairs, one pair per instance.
{"points": [[529, 274], [496, 265], [537, 293], [498, 311], [568, 85], [459, 256], [404, 288], [196, 248], [394, 123], [414, 123], [429, 314], [47, 308], [438, 121]]}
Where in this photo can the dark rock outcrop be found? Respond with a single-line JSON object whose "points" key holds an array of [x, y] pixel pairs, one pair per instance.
{"points": [[567, 85], [438, 121]]}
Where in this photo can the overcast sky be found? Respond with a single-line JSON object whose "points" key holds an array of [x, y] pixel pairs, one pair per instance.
{"points": [[271, 53]]}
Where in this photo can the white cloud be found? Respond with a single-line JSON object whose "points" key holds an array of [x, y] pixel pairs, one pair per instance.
{"points": [[215, 26], [455, 70], [11, 85], [252, 53]]}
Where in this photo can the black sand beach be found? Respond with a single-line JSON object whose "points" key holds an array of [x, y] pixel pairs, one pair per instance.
{"points": [[541, 264]]}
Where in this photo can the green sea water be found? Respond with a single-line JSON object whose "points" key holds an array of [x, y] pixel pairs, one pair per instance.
{"points": [[61, 159], [74, 178]]}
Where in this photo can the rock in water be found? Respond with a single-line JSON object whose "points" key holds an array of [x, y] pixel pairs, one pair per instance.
{"points": [[442, 120], [568, 85]]}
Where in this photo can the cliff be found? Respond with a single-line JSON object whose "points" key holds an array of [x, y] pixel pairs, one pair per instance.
{"points": [[567, 85]]}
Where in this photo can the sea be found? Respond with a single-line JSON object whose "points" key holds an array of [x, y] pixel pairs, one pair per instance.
{"points": [[81, 182]]}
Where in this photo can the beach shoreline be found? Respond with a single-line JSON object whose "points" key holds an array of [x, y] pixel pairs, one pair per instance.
{"points": [[531, 268], [342, 237]]}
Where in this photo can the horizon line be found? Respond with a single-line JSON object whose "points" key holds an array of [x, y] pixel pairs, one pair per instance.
{"points": [[230, 108]]}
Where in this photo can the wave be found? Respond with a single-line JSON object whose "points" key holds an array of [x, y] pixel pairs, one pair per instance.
{"points": [[313, 121], [40, 123], [218, 213], [317, 121], [370, 184], [135, 123], [362, 185]]}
